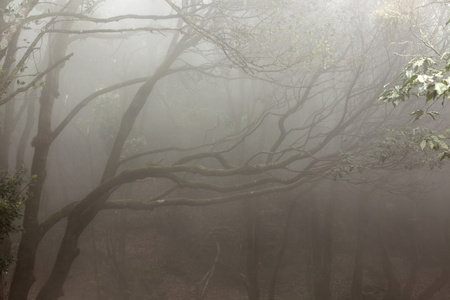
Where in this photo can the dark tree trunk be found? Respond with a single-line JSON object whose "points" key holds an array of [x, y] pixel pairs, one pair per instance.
{"points": [[321, 237], [408, 289], [284, 242], [5, 134], [394, 288], [8, 117], [323, 289], [444, 276], [253, 232], [86, 210], [358, 269], [23, 275], [30, 119], [95, 260], [309, 276]]}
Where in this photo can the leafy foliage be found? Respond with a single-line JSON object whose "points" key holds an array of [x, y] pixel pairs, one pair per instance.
{"points": [[427, 78], [13, 195], [347, 164], [409, 148], [422, 77], [404, 146]]}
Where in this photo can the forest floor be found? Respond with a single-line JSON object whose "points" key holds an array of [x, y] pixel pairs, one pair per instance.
{"points": [[154, 263]]}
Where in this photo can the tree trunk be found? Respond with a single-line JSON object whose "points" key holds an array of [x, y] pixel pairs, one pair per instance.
{"points": [[284, 242], [30, 119], [323, 290], [5, 134], [23, 277], [309, 275], [95, 259], [321, 237], [81, 215], [444, 276], [394, 288], [85, 210], [8, 117], [253, 230], [358, 269], [408, 289]]}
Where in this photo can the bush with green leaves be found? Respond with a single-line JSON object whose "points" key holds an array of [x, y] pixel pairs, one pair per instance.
{"points": [[13, 195]]}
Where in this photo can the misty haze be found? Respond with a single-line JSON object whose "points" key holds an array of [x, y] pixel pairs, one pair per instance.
{"points": [[224, 149]]}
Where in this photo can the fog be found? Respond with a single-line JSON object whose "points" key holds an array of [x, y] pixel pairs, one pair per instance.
{"points": [[227, 149]]}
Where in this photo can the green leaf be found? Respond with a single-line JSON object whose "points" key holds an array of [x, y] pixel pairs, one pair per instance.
{"points": [[443, 145], [428, 61], [440, 88], [418, 63], [422, 78], [447, 68], [418, 113], [423, 143], [410, 80], [430, 95], [433, 114], [444, 155], [431, 144]]}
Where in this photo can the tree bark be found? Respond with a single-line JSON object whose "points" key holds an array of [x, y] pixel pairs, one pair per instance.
{"points": [[309, 274], [444, 276], [5, 141], [394, 288], [5, 135], [85, 211], [323, 289], [321, 238], [30, 119], [408, 289], [8, 118], [358, 269], [284, 242], [253, 230], [23, 277], [95, 259]]}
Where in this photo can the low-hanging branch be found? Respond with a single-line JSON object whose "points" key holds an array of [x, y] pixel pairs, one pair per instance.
{"points": [[168, 172], [150, 205]]}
